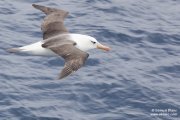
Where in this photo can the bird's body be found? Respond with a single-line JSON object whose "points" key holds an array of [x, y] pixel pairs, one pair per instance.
{"points": [[37, 49], [57, 41]]}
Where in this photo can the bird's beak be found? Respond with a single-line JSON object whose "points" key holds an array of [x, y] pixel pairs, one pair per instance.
{"points": [[103, 47]]}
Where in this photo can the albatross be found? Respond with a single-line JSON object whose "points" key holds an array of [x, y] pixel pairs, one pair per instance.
{"points": [[58, 41]]}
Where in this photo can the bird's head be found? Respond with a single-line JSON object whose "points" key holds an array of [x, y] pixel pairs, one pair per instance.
{"points": [[95, 44], [85, 42]]}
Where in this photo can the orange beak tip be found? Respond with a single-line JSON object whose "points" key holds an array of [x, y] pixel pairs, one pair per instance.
{"points": [[106, 48]]}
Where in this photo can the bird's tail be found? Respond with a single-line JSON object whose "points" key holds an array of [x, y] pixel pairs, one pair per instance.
{"points": [[13, 50]]}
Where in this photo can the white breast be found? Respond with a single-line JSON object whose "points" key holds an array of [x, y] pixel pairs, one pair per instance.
{"points": [[82, 41]]}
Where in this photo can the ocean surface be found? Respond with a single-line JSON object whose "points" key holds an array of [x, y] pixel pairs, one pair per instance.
{"points": [[139, 79]]}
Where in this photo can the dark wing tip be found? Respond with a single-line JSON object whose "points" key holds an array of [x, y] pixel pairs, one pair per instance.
{"points": [[34, 5], [65, 72], [44, 9], [37, 6], [49, 10], [72, 66]]}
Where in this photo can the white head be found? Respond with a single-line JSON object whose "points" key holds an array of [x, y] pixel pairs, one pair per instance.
{"points": [[85, 43]]}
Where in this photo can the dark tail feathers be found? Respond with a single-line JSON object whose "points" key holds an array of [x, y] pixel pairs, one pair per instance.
{"points": [[13, 50]]}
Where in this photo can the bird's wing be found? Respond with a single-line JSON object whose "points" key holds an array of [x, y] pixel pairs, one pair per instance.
{"points": [[53, 23], [74, 57], [56, 39]]}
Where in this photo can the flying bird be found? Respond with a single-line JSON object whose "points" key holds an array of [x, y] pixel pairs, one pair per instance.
{"points": [[58, 41]]}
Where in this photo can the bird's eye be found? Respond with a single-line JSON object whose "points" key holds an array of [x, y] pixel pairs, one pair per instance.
{"points": [[93, 42]]}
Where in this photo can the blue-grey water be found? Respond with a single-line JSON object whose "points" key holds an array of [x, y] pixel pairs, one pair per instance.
{"points": [[139, 79]]}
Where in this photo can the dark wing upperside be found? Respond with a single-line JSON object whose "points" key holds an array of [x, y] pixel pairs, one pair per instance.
{"points": [[74, 57], [53, 23], [73, 65]]}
